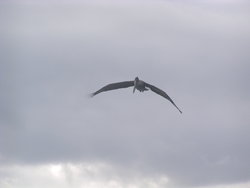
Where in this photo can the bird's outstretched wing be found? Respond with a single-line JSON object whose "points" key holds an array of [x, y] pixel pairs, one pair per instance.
{"points": [[162, 93], [113, 86]]}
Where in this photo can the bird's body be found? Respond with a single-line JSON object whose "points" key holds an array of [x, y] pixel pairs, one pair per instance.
{"points": [[139, 85]]}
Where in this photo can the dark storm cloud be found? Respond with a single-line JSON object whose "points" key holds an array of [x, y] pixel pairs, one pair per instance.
{"points": [[199, 56]]}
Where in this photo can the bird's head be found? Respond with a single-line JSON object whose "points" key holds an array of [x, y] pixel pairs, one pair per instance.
{"points": [[135, 83]]}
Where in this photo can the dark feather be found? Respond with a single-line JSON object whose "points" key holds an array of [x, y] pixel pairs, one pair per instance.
{"points": [[113, 86], [162, 93]]}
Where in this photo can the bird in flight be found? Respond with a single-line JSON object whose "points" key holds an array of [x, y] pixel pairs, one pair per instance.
{"points": [[137, 84]]}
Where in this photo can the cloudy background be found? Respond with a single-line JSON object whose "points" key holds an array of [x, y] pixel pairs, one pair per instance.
{"points": [[53, 54]]}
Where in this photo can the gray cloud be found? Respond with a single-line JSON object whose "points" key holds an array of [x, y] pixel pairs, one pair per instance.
{"points": [[61, 53]]}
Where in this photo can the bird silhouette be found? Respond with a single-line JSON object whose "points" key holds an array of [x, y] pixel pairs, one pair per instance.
{"points": [[139, 85]]}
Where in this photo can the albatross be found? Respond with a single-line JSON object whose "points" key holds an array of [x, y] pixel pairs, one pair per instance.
{"points": [[137, 84]]}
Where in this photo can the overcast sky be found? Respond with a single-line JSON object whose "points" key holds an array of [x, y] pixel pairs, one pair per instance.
{"points": [[54, 54]]}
